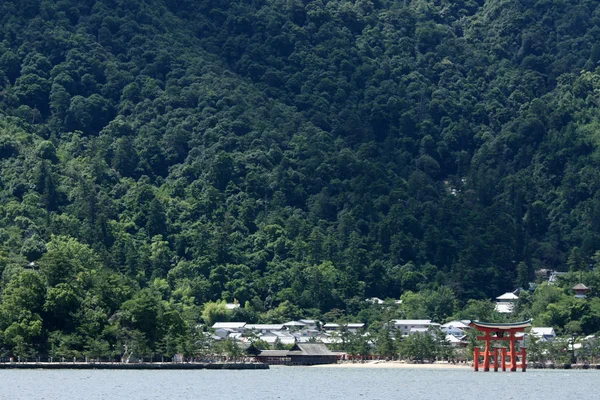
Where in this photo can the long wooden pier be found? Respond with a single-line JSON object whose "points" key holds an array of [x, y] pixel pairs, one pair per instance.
{"points": [[133, 366]]}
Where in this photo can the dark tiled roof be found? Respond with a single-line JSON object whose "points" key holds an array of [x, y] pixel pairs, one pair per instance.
{"points": [[313, 349], [273, 353]]}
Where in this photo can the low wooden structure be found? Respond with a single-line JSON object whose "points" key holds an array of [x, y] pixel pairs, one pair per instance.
{"points": [[300, 354], [132, 366], [500, 332]]}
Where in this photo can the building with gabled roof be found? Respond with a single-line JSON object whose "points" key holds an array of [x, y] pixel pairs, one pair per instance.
{"points": [[299, 354], [543, 333], [456, 328], [264, 328], [505, 304], [294, 325], [406, 325], [456, 341], [237, 326], [310, 323]]}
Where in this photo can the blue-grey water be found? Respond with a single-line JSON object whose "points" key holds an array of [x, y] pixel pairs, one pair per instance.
{"points": [[292, 383]]}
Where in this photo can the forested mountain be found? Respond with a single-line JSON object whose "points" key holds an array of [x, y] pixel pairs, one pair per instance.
{"points": [[295, 156]]}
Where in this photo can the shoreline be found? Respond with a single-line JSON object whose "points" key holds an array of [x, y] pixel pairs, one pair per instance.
{"points": [[442, 365], [394, 364]]}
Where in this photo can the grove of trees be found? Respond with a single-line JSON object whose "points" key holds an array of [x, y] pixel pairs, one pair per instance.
{"points": [[295, 156]]}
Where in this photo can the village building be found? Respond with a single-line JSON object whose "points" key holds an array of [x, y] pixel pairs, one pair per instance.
{"points": [[543, 333], [407, 325], [294, 325], [299, 354], [554, 275], [377, 300], [274, 357], [310, 323], [350, 327], [455, 341], [224, 330], [456, 328], [505, 304], [274, 337], [331, 327], [222, 333], [264, 328], [235, 326], [355, 327], [327, 338]]}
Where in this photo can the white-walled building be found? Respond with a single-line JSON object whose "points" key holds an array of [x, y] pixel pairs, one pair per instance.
{"points": [[351, 327], [505, 304], [406, 325], [455, 328], [264, 328], [233, 326], [543, 333]]}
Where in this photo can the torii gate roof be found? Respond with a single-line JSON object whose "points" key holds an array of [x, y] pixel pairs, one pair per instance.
{"points": [[502, 326]]}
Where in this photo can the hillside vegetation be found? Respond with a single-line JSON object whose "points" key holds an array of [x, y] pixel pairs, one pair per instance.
{"points": [[295, 156]]}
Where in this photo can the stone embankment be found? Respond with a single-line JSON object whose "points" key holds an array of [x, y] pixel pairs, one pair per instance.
{"points": [[133, 366]]}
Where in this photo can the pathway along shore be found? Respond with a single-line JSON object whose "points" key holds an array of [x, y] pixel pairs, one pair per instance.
{"points": [[133, 366]]}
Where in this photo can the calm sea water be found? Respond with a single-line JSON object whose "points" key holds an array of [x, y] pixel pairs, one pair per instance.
{"points": [[291, 383]]}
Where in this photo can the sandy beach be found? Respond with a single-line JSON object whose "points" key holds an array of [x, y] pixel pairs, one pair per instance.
{"points": [[394, 364]]}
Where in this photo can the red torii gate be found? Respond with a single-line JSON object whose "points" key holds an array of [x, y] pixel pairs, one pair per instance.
{"points": [[498, 332]]}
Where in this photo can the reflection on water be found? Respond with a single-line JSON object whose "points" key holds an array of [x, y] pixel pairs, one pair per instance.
{"points": [[291, 383]]}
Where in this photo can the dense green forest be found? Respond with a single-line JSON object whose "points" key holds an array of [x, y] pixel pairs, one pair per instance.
{"points": [[295, 156]]}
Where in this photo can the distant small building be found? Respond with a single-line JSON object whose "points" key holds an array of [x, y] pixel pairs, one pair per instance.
{"points": [[418, 330], [505, 303], [580, 290], [355, 326], [300, 354], [293, 325], [233, 326], [331, 327], [328, 338], [274, 357], [456, 328], [274, 337], [310, 323], [232, 306], [263, 328], [543, 333], [222, 333], [377, 300], [554, 275], [351, 327], [455, 341], [406, 325]]}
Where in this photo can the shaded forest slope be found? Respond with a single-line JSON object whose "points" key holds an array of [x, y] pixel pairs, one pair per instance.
{"points": [[298, 156]]}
